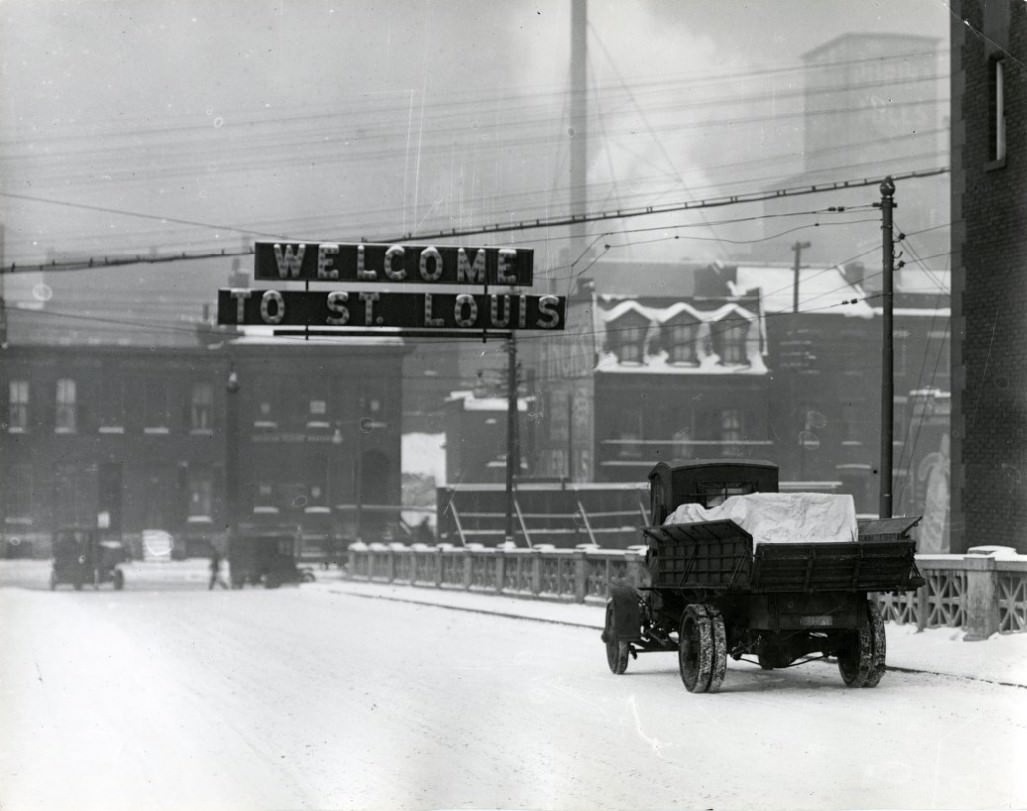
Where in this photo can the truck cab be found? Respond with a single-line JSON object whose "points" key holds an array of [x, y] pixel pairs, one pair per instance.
{"points": [[706, 482]]}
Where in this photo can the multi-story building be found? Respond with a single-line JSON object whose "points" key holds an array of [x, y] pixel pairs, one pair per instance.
{"points": [[113, 417], [989, 256]]}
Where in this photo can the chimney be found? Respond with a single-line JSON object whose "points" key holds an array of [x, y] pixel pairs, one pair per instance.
{"points": [[854, 273], [237, 278]]}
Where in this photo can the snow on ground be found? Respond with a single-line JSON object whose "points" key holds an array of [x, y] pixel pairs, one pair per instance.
{"points": [[1001, 658]]}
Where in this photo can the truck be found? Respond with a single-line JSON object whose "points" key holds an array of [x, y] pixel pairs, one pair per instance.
{"points": [[733, 567], [266, 555]]}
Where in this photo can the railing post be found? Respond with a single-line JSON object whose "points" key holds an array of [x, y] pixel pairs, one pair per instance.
{"points": [[438, 567], [536, 571], [982, 614], [923, 607], [580, 572], [392, 564], [500, 556], [468, 562]]}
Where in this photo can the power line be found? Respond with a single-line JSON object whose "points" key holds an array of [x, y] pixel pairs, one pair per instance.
{"points": [[559, 220]]}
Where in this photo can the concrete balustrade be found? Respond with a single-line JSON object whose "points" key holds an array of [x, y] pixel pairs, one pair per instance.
{"points": [[982, 594]]}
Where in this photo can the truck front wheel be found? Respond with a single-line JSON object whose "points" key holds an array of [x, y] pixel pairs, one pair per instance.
{"points": [[616, 652], [696, 652]]}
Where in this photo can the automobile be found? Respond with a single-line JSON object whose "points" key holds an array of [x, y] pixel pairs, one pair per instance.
{"points": [[15, 547], [81, 556]]}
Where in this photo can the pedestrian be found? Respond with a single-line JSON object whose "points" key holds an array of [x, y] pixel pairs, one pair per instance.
{"points": [[215, 570]]}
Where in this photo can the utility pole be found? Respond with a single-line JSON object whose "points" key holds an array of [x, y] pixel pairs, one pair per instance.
{"points": [[887, 350], [513, 451], [231, 459], [798, 248], [579, 123]]}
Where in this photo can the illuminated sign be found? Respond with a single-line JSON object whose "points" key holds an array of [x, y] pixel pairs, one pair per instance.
{"points": [[341, 308], [392, 264]]}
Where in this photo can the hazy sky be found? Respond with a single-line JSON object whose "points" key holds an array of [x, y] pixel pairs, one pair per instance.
{"points": [[130, 127]]}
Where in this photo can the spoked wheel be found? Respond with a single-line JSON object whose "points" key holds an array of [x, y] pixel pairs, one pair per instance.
{"points": [[861, 658], [698, 659], [617, 653]]}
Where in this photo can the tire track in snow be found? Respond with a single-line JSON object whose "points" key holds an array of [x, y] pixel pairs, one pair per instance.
{"points": [[596, 627]]}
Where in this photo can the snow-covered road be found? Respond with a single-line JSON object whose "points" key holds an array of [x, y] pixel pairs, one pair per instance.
{"points": [[314, 698]]}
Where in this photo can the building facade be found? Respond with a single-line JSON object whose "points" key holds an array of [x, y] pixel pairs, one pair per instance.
{"points": [[115, 422], [989, 254]]}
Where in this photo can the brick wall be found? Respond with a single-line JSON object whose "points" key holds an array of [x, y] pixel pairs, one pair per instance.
{"points": [[989, 207]]}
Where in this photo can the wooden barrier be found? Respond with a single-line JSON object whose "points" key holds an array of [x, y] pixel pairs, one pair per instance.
{"points": [[981, 594]]}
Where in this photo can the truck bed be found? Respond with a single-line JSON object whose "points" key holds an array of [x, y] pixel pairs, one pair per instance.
{"points": [[720, 556]]}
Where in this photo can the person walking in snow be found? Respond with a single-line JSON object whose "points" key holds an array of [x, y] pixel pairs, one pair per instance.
{"points": [[215, 571]]}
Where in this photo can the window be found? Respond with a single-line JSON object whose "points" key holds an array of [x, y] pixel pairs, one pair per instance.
{"points": [[155, 407], [18, 407], [730, 337], [112, 418], [731, 431], [627, 339], [997, 111], [201, 412], [265, 400], [75, 489], [681, 342], [18, 494], [264, 498], [854, 422], [317, 416], [731, 425], [201, 487], [66, 419], [630, 436]]}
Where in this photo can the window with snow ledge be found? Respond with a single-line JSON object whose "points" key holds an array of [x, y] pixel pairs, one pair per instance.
{"points": [[730, 338], [627, 337], [680, 338]]}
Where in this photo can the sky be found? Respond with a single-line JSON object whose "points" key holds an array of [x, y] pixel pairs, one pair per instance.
{"points": [[137, 127]]}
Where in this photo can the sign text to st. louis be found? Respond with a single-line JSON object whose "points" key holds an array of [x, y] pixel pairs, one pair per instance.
{"points": [[349, 308]]}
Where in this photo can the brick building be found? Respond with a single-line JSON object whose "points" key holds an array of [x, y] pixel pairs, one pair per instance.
{"points": [[989, 257], [117, 410]]}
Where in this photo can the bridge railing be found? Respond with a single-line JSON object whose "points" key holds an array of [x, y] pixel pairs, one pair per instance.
{"points": [[980, 594]]}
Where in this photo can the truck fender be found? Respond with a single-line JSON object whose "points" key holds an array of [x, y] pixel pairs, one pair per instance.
{"points": [[627, 612]]}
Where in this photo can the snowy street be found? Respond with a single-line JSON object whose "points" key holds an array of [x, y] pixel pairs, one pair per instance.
{"points": [[326, 696]]}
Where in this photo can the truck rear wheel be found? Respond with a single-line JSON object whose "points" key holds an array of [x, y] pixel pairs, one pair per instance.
{"points": [[616, 652], [695, 649], [719, 648], [879, 643], [861, 658]]}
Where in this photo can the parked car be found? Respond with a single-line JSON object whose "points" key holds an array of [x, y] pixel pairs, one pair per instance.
{"points": [[82, 556]]}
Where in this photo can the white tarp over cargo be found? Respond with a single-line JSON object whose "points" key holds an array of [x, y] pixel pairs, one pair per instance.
{"points": [[780, 517]]}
